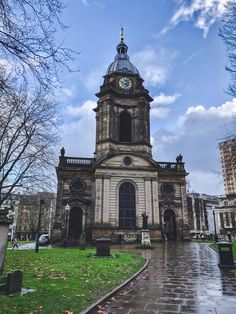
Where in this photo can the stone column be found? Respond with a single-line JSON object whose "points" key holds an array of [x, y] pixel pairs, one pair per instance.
{"points": [[194, 213], [185, 223], [106, 197], [155, 201], [184, 203], [148, 199], [98, 200]]}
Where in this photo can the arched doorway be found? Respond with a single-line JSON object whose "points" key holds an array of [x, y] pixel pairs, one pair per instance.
{"points": [[75, 223], [127, 206], [170, 224]]}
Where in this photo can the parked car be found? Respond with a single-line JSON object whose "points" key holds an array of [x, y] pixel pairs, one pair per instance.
{"points": [[44, 239]]}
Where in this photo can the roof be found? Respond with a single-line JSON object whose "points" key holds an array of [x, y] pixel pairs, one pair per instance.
{"points": [[121, 64]]}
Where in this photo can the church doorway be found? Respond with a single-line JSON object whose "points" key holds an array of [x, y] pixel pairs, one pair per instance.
{"points": [[75, 223], [127, 206], [170, 224]]}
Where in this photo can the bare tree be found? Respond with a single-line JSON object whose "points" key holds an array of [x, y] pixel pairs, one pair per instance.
{"points": [[228, 35], [27, 38], [28, 136]]}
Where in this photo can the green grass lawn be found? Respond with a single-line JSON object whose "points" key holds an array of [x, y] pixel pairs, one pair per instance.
{"points": [[65, 279]]}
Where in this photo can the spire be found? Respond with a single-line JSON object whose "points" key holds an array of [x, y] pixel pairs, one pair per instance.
{"points": [[122, 33], [122, 47], [121, 63]]}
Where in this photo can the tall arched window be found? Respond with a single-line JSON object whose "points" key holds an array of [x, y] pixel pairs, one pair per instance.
{"points": [[125, 127], [127, 206]]}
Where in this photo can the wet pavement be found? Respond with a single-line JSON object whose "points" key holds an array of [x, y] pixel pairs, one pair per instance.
{"points": [[30, 246], [181, 278]]}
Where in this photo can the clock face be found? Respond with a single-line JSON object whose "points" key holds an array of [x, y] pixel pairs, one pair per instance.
{"points": [[125, 83]]}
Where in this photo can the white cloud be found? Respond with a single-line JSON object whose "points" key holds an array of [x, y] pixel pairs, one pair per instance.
{"points": [[226, 110], [209, 181], [85, 109], [89, 3], [200, 130], [154, 65], [159, 112], [68, 92], [6, 66], [163, 99], [85, 2], [203, 12], [78, 130], [192, 56], [94, 79]]}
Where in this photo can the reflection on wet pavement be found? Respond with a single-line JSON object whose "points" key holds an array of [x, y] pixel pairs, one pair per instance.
{"points": [[182, 278]]}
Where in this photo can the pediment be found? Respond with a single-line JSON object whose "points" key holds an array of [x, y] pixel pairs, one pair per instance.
{"points": [[128, 160]]}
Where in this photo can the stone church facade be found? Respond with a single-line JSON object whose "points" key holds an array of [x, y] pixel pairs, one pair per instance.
{"points": [[108, 194]]}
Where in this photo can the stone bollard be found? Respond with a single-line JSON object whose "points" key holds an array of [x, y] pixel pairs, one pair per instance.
{"points": [[4, 226]]}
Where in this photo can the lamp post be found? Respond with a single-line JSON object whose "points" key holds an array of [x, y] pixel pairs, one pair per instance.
{"points": [[41, 202], [214, 219], [67, 212]]}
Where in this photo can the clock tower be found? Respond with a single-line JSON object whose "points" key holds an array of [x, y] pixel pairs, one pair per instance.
{"points": [[123, 110]]}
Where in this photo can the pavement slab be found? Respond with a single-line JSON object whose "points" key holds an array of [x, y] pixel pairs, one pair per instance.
{"points": [[183, 277]]}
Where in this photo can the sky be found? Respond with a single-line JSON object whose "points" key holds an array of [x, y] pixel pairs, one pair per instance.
{"points": [[176, 48]]}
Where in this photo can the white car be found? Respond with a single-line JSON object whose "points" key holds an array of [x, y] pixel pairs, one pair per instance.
{"points": [[44, 239]]}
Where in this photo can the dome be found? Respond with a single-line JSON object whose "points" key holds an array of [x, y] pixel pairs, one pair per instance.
{"points": [[122, 63], [123, 66]]}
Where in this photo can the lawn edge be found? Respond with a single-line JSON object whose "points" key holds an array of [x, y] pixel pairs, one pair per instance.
{"points": [[114, 291]]}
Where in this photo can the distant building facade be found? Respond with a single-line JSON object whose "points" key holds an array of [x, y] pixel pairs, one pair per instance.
{"points": [[226, 216], [28, 215], [105, 196], [228, 164], [200, 211], [11, 204], [226, 210]]}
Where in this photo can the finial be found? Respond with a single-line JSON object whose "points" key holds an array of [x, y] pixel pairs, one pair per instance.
{"points": [[122, 33], [63, 152]]}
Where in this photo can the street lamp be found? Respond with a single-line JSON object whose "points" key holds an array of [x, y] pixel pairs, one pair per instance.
{"points": [[67, 212], [214, 219], [41, 202]]}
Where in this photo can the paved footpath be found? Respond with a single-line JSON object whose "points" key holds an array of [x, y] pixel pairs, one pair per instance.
{"points": [[182, 278]]}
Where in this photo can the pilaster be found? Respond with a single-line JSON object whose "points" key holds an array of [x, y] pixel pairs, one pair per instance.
{"points": [[98, 202], [106, 197]]}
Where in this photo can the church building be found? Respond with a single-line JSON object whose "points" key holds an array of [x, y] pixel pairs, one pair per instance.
{"points": [[106, 196]]}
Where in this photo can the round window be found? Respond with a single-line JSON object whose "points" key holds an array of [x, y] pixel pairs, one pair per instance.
{"points": [[127, 161], [77, 185], [167, 188]]}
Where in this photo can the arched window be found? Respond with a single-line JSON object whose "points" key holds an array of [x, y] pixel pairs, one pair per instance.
{"points": [[125, 127], [127, 206]]}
